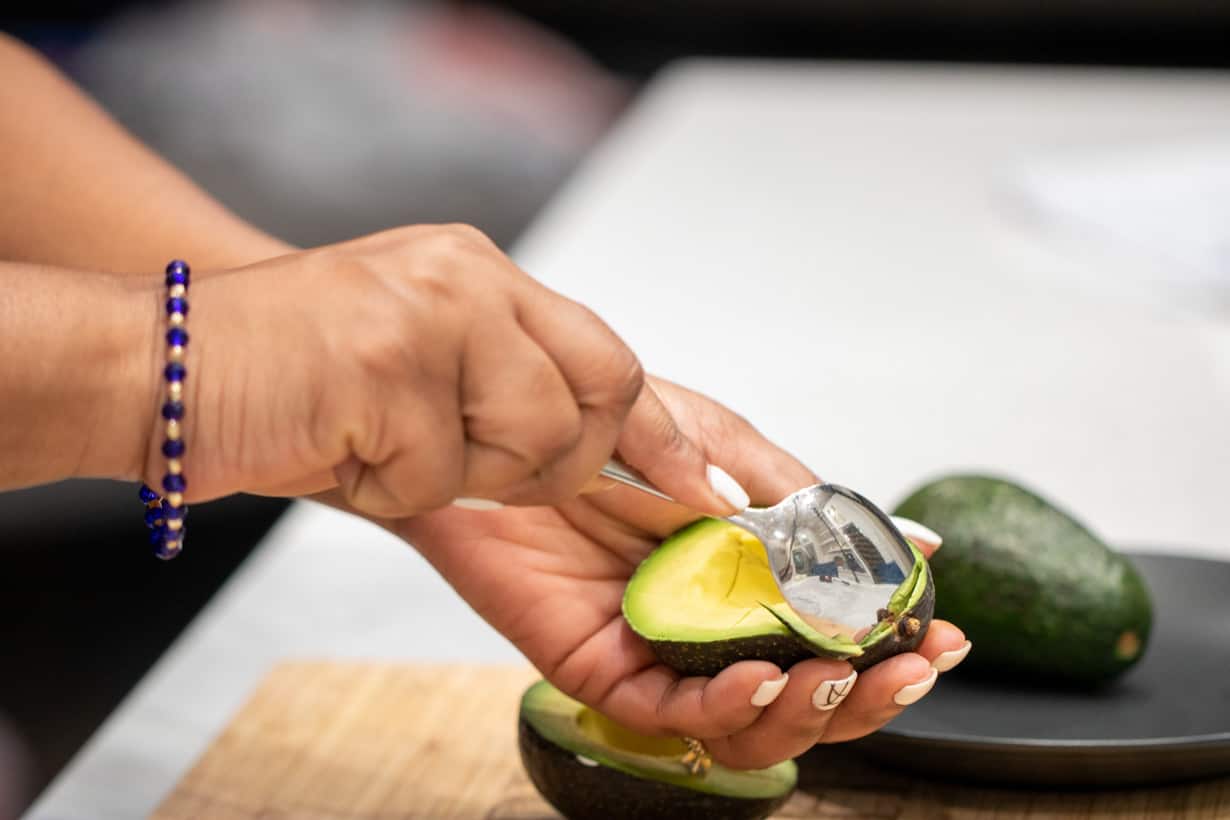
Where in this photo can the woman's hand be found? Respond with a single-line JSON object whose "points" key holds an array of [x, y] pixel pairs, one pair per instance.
{"points": [[551, 580], [410, 368]]}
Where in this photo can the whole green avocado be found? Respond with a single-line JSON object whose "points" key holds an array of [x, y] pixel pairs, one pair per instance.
{"points": [[1034, 590]]}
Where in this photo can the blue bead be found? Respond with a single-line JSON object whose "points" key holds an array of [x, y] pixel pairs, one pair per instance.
{"points": [[177, 305], [153, 517], [177, 336], [170, 512], [173, 448], [147, 495], [175, 372], [173, 410], [173, 483], [157, 535], [166, 550], [178, 273]]}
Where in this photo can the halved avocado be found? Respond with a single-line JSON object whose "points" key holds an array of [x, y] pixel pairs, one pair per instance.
{"points": [[587, 766], [706, 599]]}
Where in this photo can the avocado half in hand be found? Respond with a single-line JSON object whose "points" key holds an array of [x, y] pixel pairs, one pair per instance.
{"points": [[587, 766], [706, 599]]}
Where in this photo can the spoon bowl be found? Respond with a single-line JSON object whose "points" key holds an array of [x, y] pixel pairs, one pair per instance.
{"points": [[837, 558]]}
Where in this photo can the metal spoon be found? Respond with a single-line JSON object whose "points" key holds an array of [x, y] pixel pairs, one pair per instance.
{"points": [[837, 558]]}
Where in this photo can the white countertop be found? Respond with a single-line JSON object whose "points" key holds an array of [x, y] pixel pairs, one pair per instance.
{"points": [[833, 251]]}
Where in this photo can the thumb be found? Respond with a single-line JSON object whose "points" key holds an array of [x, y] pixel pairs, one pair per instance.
{"points": [[652, 443]]}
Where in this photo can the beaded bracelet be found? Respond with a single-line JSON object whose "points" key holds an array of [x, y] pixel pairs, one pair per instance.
{"points": [[164, 515]]}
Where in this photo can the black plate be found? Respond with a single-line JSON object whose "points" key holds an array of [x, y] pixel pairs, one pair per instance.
{"points": [[1167, 719]]}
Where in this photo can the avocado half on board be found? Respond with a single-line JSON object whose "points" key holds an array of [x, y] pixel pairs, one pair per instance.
{"points": [[590, 768], [706, 599]]}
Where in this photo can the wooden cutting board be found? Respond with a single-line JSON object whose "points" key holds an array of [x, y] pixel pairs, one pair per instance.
{"points": [[355, 741]]}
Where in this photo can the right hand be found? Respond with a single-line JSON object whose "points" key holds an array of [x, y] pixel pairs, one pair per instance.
{"points": [[406, 369], [557, 588]]}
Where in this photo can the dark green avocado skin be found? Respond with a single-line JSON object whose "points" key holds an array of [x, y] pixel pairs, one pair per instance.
{"points": [[897, 643], [1035, 591], [581, 792], [709, 658]]}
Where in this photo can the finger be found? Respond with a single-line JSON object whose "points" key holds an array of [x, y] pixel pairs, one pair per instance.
{"points": [[767, 471], [883, 691], [607, 380], [417, 467], [519, 413], [926, 539], [657, 701], [764, 469], [944, 646], [603, 374], [652, 442], [794, 722]]}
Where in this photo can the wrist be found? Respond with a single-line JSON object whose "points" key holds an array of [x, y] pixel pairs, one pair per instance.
{"points": [[77, 374], [126, 396]]}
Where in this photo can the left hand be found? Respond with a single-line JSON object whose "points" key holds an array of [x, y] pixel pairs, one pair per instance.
{"points": [[551, 580]]}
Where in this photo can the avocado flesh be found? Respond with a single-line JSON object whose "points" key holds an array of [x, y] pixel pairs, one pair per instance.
{"points": [[706, 599], [1035, 591], [587, 766]]}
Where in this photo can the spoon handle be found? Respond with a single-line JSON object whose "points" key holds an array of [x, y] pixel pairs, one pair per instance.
{"points": [[764, 524], [626, 475]]}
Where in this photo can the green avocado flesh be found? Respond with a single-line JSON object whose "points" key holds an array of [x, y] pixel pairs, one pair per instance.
{"points": [[587, 766], [1033, 589], [706, 599]]}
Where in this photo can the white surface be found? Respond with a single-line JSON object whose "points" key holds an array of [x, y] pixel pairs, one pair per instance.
{"points": [[840, 229], [1170, 200]]}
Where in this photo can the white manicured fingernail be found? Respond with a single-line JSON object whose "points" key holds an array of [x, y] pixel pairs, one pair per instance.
{"points": [[727, 488], [947, 660], [768, 691], [586, 761], [915, 691], [917, 532], [831, 693], [477, 504]]}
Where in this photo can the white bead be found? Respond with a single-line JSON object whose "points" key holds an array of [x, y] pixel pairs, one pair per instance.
{"points": [[175, 499], [177, 291], [173, 429], [176, 320], [175, 390], [176, 353], [174, 524], [174, 467]]}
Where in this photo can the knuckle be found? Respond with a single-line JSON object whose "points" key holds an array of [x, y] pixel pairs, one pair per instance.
{"points": [[559, 439], [622, 379], [671, 437], [466, 233], [631, 380], [377, 349], [724, 718], [456, 243]]}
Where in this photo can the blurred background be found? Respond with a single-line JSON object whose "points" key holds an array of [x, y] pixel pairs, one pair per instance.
{"points": [[322, 120]]}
